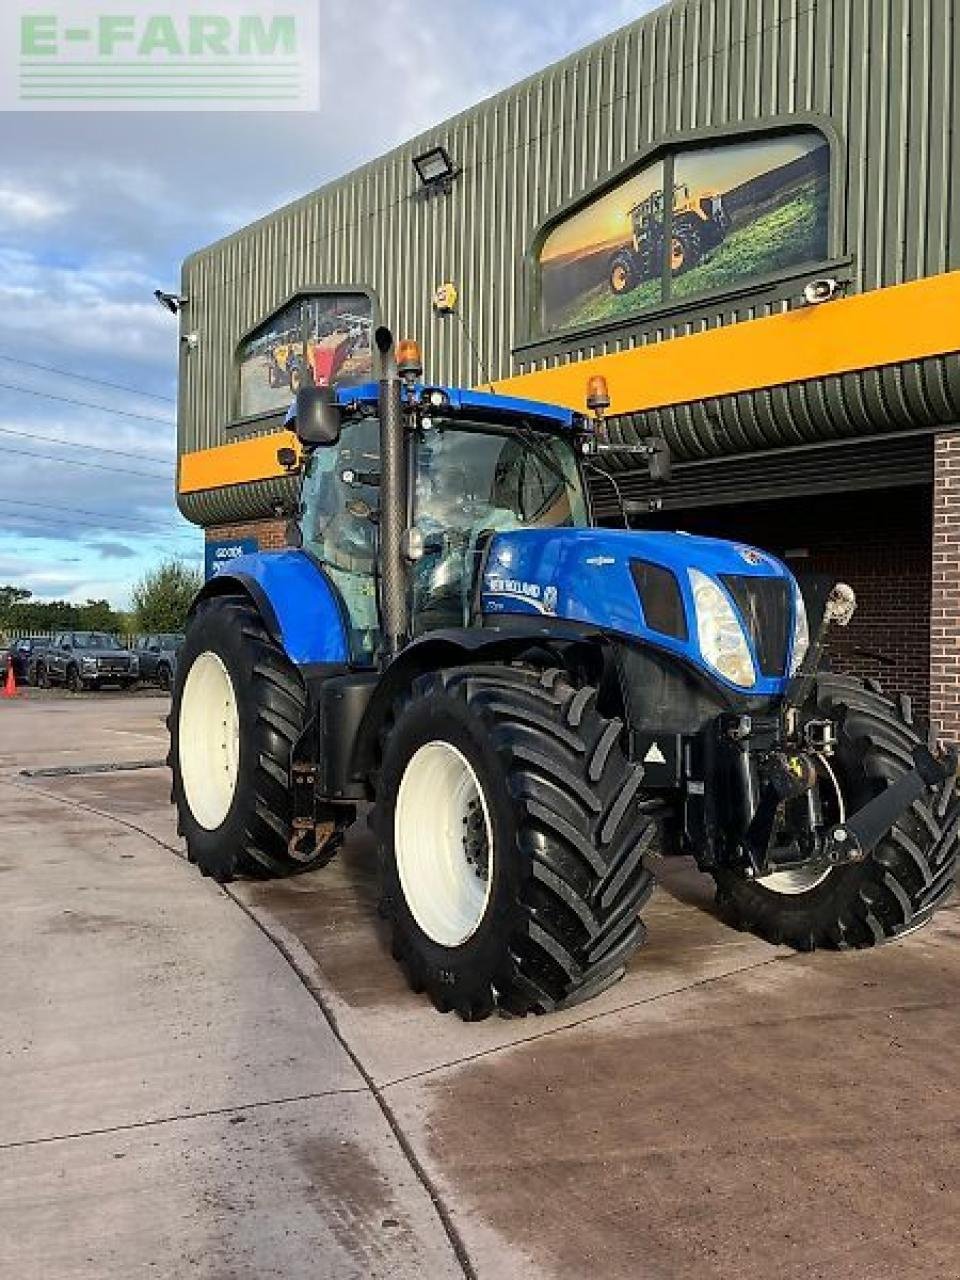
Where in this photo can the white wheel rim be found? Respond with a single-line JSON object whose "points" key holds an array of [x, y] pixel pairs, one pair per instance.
{"points": [[209, 741], [444, 844], [804, 879]]}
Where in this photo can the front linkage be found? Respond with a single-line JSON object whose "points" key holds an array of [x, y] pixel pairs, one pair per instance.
{"points": [[764, 796], [825, 820]]}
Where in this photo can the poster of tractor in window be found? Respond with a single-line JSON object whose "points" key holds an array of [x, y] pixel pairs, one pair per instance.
{"points": [[737, 212], [323, 340]]}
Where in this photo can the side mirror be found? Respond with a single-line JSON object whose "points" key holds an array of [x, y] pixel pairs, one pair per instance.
{"points": [[660, 464], [318, 416]]}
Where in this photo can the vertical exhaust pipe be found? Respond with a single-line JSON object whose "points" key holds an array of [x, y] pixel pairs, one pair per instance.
{"points": [[393, 499]]}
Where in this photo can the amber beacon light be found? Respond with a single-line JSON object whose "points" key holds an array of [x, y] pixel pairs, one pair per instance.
{"points": [[598, 395], [409, 358]]}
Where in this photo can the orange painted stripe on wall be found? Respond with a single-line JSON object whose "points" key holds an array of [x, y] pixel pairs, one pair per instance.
{"points": [[236, 463], [887, 326]]}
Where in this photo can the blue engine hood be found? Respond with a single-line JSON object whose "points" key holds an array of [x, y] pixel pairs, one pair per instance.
{"points": [[584, 575]]}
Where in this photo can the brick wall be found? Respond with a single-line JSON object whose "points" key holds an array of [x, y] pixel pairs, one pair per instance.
{"points": [[945, 624], [879, 542], [270, 534]]}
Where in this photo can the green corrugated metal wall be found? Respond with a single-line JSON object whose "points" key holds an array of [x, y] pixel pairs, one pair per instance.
{"points": [[885, 74]]}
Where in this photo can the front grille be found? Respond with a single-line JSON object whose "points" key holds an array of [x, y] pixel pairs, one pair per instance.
{"points": [[113, 664], [765, 606]]}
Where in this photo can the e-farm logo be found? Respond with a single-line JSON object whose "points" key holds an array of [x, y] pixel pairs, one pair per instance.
{"points": [[172, 55]]}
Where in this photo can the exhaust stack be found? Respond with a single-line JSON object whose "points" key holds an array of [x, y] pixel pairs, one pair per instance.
{"points": [[393, 499]]}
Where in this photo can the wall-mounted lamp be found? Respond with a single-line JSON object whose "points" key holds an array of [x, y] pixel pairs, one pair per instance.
{"points": [[435, 170], [817, 292], [172, 302]]}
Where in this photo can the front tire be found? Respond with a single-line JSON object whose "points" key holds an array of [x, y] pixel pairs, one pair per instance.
{"points": [[897, 888], [238, 708], [74, 680], [511, 836]]}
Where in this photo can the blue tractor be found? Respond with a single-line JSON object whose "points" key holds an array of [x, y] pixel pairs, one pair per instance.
{"points": [[535, 707]]}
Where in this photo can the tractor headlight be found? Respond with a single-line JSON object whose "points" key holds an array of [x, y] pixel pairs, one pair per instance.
{"points": [[723, 642], [801, 631]]}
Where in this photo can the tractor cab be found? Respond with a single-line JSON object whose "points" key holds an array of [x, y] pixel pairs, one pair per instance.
{"points": [[477, 465]]}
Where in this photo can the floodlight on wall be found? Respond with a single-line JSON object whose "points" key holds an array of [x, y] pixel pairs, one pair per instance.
{"points": [[172, 302], [435, 170]]}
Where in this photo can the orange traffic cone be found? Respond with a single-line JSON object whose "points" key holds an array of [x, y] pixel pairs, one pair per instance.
{"points": [[10, 688]]}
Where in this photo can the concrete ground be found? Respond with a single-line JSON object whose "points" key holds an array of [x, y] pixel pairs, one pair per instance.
{"points": [[195, 1082]]}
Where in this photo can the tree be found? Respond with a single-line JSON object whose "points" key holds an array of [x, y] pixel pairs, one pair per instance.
{"points": [[10, 597], [97, 615], [162, 597]]}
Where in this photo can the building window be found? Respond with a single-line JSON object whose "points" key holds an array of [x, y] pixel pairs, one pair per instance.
{"points": [[319, 339], [740, 212]]}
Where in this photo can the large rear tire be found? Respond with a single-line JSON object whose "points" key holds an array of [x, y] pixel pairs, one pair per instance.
{"points": [[900, 884], [512, 833], [238, 708]]}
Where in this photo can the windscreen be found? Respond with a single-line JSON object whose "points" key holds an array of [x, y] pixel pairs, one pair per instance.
{"points": [[95, 640], [473, 480]]}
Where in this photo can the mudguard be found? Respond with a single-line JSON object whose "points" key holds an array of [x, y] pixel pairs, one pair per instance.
{"points": [[298, 603]]}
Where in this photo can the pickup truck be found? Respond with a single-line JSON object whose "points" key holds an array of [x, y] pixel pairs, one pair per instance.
{"points": [[86, 660], [158, 658]]}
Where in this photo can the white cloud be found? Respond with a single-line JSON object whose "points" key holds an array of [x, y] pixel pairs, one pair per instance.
{"points": [[23, 206], [102, 305]]}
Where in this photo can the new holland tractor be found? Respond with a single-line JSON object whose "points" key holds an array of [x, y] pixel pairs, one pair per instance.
{"points": [[536, 707], [699, 223]]}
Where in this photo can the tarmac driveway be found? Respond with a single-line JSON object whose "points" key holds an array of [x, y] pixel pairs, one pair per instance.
{"points": [[238, 1084]]}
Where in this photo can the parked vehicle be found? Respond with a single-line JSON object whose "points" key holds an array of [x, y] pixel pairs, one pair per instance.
{"points": [[157, 655], [86, 660], [534, 706], [25, 652]]}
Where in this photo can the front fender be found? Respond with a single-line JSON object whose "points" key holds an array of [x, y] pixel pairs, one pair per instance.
{"points": [[296, 600], [453, 647]]}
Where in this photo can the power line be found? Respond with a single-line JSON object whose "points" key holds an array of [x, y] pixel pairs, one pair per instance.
{"points": [[75, 462], [80, 377], [85, 404], [85, 511], [130, 455], [73, 523]]}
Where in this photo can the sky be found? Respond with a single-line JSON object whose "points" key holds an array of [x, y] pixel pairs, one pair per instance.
{"points": [[99, 209]]}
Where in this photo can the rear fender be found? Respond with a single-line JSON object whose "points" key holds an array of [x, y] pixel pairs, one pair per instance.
{"points": [[298, 604]]}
